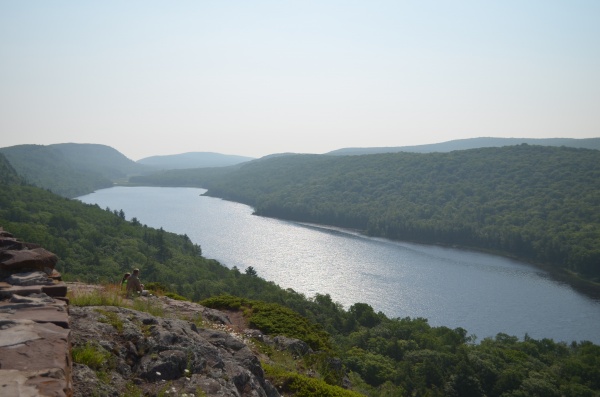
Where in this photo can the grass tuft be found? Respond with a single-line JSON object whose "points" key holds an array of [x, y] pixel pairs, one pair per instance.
{"points": [[91, 355], [109, 295], [111, 318]]}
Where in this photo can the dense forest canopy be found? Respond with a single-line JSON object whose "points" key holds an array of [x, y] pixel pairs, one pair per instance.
{"points": [[102, 159], [541, 204], [8, 175], [47, 168]]}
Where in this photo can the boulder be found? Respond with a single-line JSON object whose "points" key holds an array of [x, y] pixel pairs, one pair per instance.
{"points": [[19, 261], [294, 346], [215, 316]]}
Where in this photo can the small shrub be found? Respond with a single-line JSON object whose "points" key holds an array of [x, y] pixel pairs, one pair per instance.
{"points": [[224, 302], [274, 319], [156, 288], [91, 355], [304, 386], [175, 296]]}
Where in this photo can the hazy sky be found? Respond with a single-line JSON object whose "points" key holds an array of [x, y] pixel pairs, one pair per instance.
{"points": [[260, 77]]}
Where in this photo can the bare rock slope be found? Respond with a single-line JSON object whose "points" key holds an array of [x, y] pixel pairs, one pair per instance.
{"points": [[153, 355]]}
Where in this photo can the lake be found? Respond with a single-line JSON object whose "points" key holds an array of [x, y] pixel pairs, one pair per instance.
{"points": [[482, 293]]}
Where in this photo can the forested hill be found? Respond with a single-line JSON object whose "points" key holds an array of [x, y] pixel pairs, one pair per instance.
{"points": [[8, 175], [473, 143], [540, 204], [70, 169], [103, 159]]}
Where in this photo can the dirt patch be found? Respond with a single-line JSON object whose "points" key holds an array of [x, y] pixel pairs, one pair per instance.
{"points": [[238, 321]]}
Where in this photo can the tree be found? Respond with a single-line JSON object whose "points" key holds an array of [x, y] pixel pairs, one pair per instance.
{"points": [[251, 272], [364, 314]]}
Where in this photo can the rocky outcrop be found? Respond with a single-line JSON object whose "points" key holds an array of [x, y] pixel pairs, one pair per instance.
{"points": [[35, 343], [26, 269], [294, 346], [157, 354]]}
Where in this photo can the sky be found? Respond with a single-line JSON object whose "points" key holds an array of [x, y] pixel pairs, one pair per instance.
{"points": [[254, 78]]}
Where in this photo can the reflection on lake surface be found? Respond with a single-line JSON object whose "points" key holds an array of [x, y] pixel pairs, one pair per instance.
{"points": [[482, 293]]}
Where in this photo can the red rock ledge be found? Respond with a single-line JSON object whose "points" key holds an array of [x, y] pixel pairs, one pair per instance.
{"points": [[35, 337]]}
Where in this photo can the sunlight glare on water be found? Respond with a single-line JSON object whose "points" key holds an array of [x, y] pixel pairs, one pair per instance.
{"points": [[482, 293]]}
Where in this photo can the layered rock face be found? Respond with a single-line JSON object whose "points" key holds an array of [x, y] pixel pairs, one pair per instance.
{"points": [[35, 358]]}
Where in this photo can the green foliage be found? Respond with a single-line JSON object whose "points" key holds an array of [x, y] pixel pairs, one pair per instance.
{"points": [[8, 175], [304, 386], [274, 319], [374, 368], [47, 168], [250, 271], [91, 355], [225, 302], [71, 169], [111, 318]]}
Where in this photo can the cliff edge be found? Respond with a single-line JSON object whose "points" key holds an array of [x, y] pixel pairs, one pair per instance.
{"points": [[144, 346]]}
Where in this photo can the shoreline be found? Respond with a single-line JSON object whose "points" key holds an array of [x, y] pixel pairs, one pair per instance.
{"points": [[583, 286]]}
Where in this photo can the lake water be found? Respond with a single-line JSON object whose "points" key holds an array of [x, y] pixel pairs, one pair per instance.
{"points": [[482, 293]]}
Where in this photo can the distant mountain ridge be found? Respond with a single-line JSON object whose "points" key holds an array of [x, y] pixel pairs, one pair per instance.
{"points": [[71, 169], [74, 169], [106, 160], [473, 143], [193, 160]]}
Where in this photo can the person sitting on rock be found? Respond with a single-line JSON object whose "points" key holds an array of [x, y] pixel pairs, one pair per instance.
{"points": [[134, 285]]}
